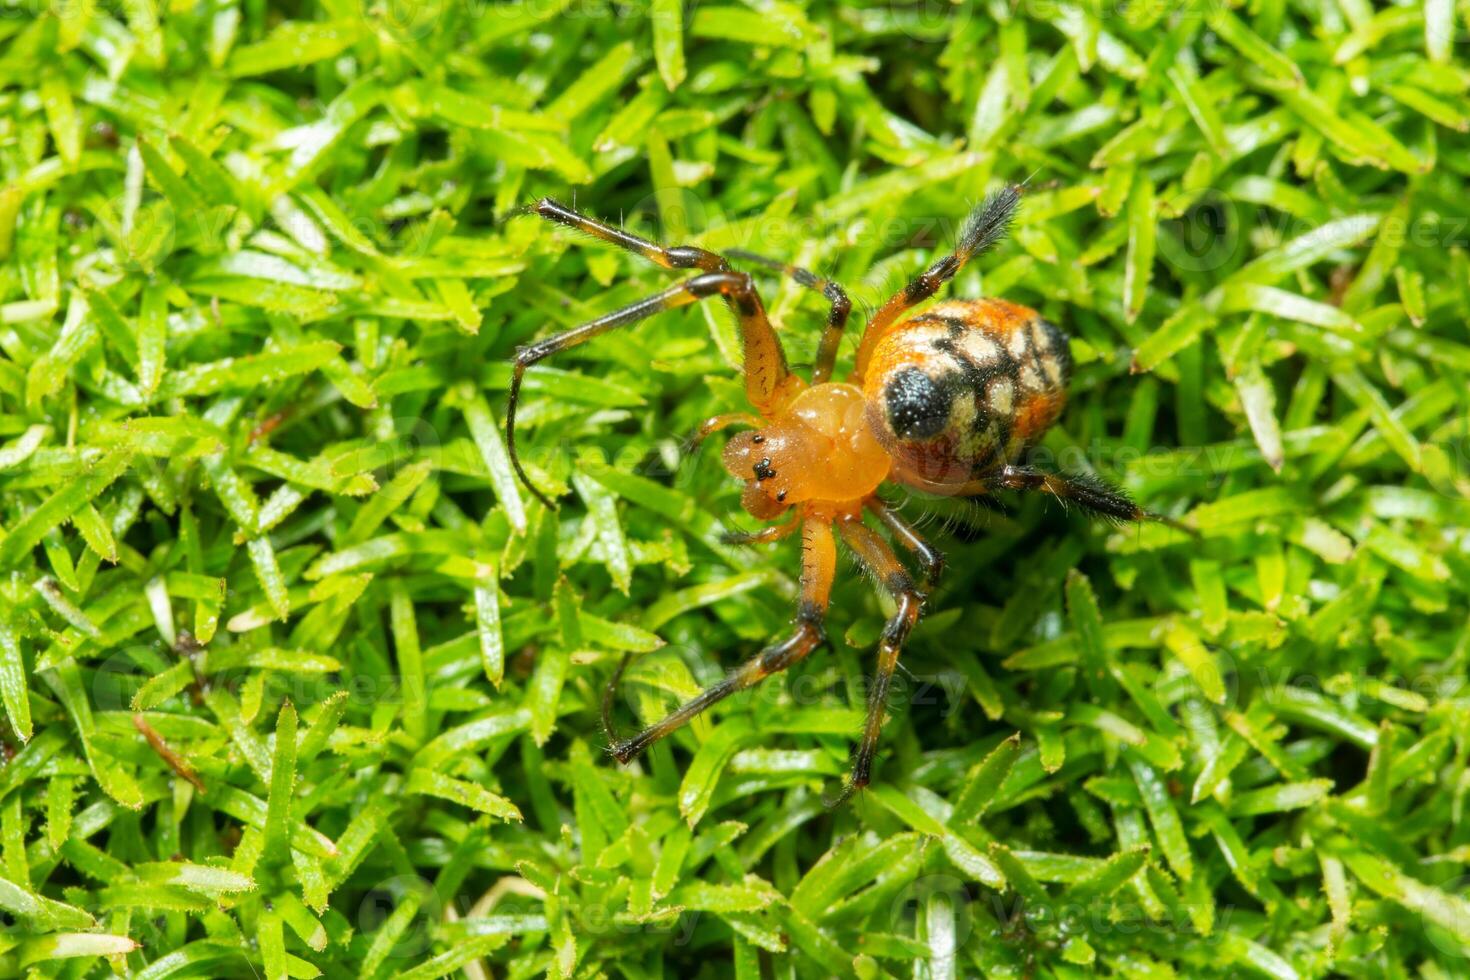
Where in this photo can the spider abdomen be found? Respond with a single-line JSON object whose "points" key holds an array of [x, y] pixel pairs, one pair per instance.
{"points": [[964, 386]]}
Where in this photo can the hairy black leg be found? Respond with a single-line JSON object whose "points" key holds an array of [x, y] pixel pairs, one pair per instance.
{"points": [[1088, 492]]}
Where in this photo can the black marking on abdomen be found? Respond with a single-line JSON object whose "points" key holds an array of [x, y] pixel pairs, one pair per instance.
{"points": [[917, 407], [954, 324], [1035, 356], [975, 380], [1061, 351]]}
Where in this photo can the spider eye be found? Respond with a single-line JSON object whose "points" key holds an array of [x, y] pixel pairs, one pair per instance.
{"points": [[751, 453]]}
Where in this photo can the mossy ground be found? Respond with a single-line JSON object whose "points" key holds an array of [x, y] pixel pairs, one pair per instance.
{"points": [[297, 679]]}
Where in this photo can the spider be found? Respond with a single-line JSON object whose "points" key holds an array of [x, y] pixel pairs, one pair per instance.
{"points": [[944, 401]]}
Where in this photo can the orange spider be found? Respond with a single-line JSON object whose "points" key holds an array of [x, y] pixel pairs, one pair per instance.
{"points": [[945, 401]]}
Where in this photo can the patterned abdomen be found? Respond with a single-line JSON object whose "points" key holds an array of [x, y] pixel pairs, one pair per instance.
{"points": [[964, 386]]}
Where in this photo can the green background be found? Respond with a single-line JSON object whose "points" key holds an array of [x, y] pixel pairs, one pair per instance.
{"points": [[296, 678]]}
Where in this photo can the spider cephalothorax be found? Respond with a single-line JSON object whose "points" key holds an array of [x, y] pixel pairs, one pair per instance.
{"points": [[945, 401], [826, 423]]}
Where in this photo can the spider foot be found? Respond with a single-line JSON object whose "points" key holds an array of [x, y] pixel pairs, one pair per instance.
{"points": [[744, 537], [850, 788], [623, 751]]}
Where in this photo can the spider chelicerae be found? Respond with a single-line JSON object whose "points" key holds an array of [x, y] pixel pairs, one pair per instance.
{"points": [[944, 401]]}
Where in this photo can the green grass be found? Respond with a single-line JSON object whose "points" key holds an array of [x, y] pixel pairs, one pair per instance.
{"points": [[259, 281]]}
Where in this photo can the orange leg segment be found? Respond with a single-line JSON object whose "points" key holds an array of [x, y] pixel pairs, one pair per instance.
{"points": [[836, 316]]}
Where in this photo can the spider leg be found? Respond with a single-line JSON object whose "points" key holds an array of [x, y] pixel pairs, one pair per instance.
{"points": [[765, 535], [766, 374], [879, 558], [1092, 494], [678, 257], [929, 557], [715, 423], [818, 566], [983, 229], [836, 317]]}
